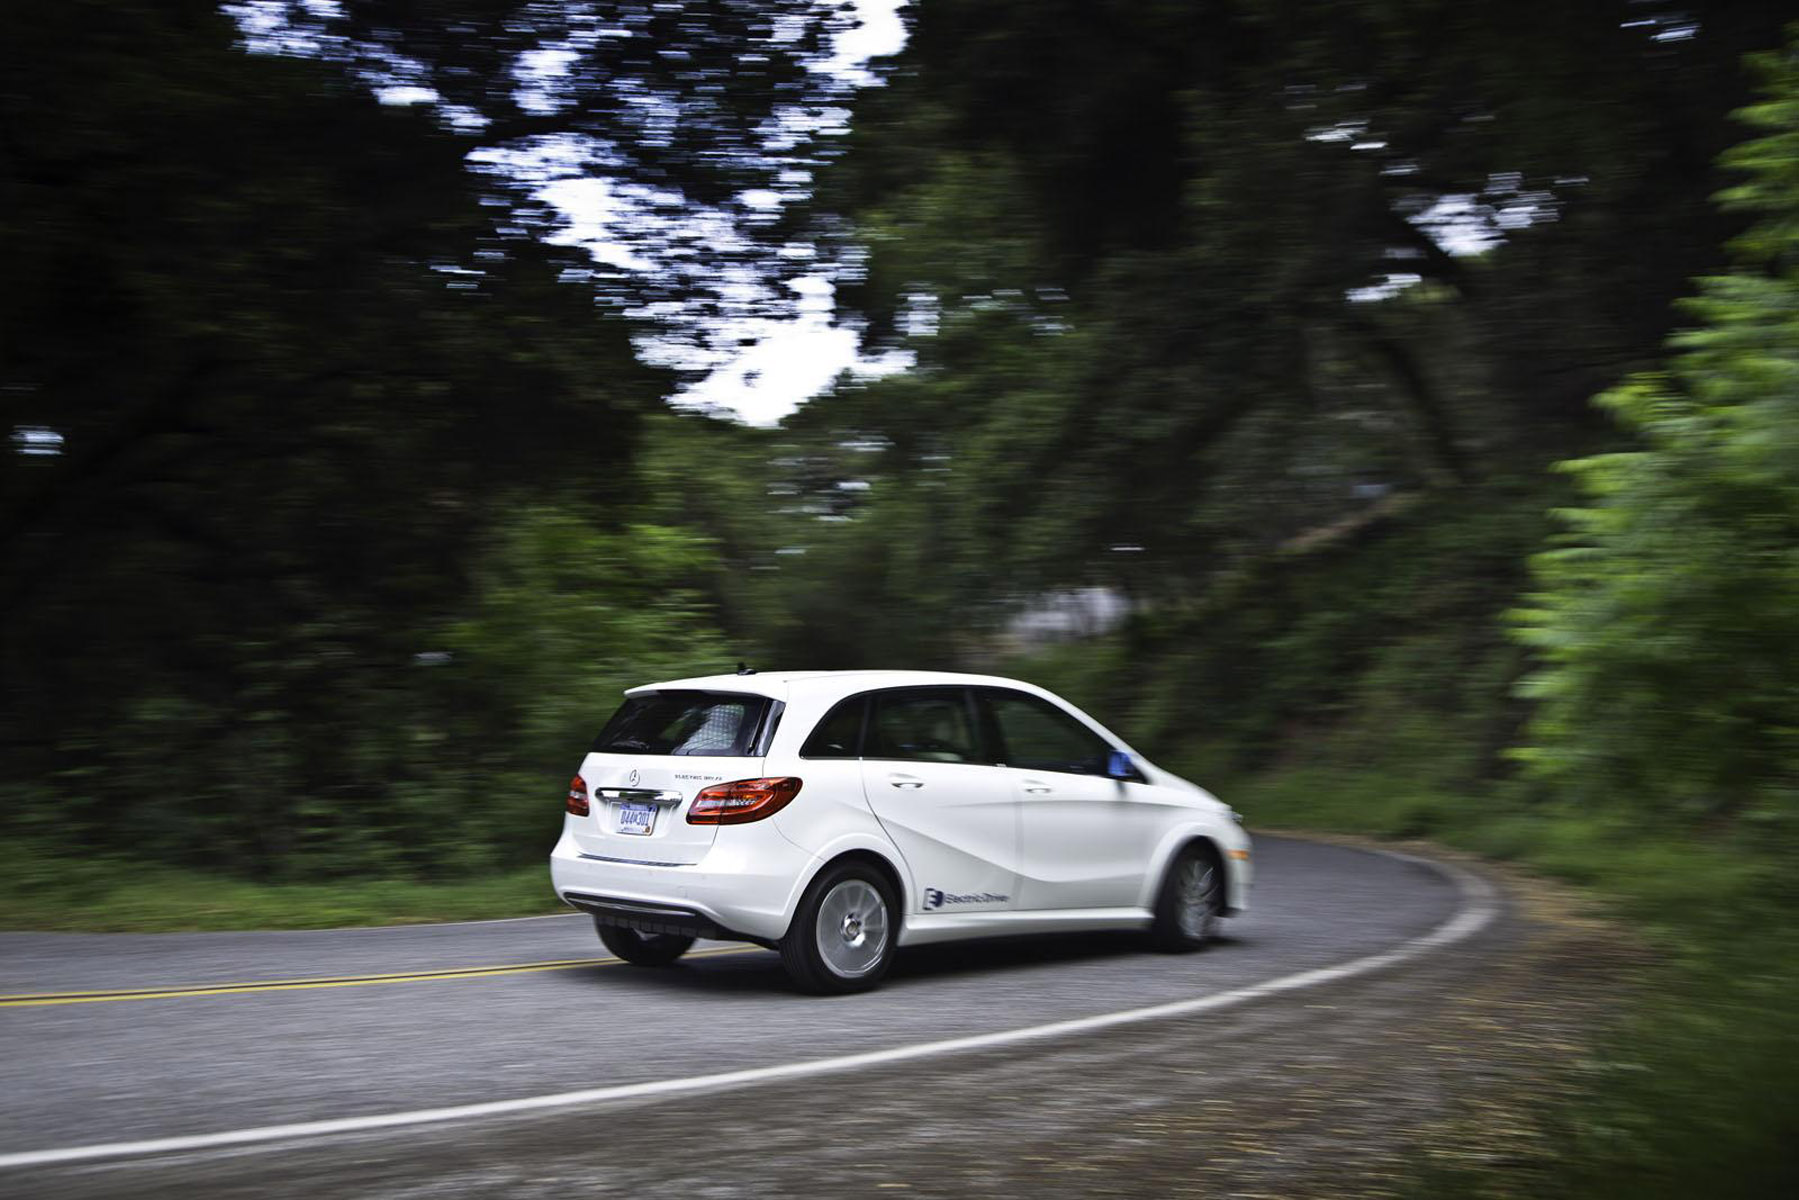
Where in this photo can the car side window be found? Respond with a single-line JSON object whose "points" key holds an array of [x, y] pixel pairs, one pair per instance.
{"points": [[839, 735], [923, 725], [1038, 736]]}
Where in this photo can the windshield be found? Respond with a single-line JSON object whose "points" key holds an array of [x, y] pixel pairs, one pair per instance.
{"points": [[717, 724]]}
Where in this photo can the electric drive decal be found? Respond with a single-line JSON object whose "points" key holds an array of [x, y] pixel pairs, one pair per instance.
{"points": [[936, 899]]}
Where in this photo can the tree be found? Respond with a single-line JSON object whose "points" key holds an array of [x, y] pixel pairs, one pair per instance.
{"points": [[289, 370], [1667, 624], [1145, 255]]}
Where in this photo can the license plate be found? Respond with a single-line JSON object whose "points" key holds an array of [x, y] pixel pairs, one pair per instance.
{"points": [[636, 818]]}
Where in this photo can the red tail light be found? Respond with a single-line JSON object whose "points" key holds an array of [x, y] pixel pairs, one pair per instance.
{"points": [[741, 802], [577, 796]]}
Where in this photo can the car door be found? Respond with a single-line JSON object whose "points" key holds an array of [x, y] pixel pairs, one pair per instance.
{"points": [[952, 814], [1085, 839]]}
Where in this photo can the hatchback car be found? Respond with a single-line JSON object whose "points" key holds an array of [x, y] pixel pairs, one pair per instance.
{"points": [[838, 815]]}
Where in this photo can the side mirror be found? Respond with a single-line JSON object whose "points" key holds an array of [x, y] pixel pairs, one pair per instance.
{"points": [[1120, 766]]}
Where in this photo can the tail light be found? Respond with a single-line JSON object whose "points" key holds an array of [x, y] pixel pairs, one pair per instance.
{"points": [[577, 796], [741, 802]]}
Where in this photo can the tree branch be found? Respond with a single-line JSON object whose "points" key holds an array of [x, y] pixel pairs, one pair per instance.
{"points": [[1395, 359]]}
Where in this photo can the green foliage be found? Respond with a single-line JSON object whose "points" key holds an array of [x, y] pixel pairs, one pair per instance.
{"points": [[437, 762], [43, 887], [1668, 621], [1382, 645], [565, 615]]}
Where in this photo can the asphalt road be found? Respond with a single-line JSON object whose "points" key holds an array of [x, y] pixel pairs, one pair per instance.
{"points": [[203, 1061]]}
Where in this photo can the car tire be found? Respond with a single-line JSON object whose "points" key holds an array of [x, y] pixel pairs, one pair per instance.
{"points": [[644, 949], [1191, 901], [844, 932]]}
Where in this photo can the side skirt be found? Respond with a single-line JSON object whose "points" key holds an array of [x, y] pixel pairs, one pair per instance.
{"points": [[923, 928]]}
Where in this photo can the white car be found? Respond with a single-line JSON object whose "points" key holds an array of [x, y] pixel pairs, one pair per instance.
{"points": [[838, 815]]}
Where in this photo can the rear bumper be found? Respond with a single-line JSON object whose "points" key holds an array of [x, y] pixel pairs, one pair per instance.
{"points": [[744, 888], [645, 917]]}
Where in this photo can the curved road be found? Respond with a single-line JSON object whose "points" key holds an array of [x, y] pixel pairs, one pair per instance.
{"points": [[204, 1055]]}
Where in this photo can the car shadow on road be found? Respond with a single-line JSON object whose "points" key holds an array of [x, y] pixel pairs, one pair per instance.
{"points": [[1018, 953], [753, 971]]}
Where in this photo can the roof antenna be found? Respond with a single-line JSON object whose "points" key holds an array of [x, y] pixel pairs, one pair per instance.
{"points": [[745, 669]]}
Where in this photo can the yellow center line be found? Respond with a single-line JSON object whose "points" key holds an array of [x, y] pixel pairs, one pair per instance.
{"points": [[43, 999]]}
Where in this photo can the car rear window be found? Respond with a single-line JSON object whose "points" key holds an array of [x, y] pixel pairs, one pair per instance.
{"points": [[716, 724]]}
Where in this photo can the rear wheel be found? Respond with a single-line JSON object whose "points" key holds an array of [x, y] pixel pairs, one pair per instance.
{"points": [[842, 937], [1191, 900], [644, 949]]}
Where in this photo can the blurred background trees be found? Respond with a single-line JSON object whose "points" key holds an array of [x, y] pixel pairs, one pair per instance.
{"points": [[1272, 318], [1669, 623], [1209, 273], [279, 365], [342, 498]]}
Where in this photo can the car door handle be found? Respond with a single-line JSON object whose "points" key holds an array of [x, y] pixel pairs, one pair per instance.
{"points": [[904, 781], [1037, 789]]}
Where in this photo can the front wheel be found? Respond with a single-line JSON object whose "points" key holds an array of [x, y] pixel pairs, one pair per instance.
{"points": [[842, 937], [1191, 900], [643, 949]]}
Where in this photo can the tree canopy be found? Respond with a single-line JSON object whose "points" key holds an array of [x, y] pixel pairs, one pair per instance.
{"points": [[1193, 279]]}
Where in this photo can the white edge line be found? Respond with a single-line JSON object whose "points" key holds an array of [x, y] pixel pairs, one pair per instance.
{"points": [[1478, 910]]}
